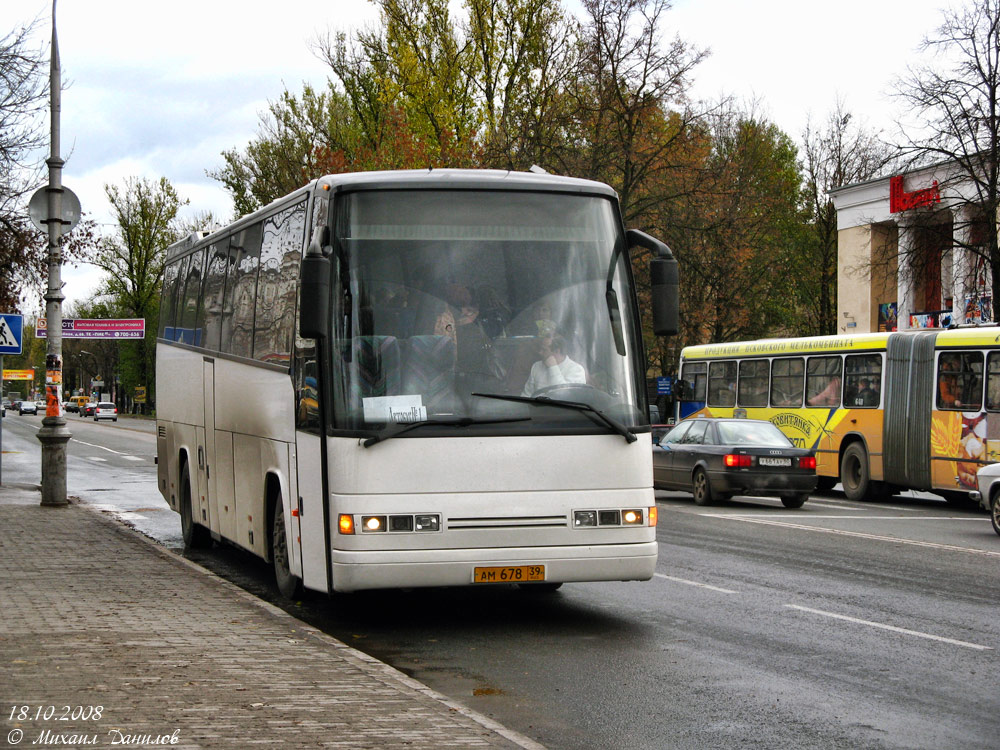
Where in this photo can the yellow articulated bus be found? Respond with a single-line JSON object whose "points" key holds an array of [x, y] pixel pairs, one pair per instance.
{"points": [[882, 411]]}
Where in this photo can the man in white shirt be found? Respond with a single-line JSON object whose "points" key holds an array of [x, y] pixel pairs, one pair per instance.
{"points": [[554, 367]]}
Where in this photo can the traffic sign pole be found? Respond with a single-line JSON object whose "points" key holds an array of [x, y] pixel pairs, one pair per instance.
{"points": [[53, 434]]}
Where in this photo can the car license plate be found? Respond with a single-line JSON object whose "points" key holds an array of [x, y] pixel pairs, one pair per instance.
{"points": [[765, 461], [509, 574]]}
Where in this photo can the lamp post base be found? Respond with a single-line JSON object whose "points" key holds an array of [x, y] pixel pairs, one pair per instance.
{"points": [[53, 436]]}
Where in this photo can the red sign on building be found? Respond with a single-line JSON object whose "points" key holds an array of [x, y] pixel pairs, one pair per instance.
{"points": [[900, 200]]}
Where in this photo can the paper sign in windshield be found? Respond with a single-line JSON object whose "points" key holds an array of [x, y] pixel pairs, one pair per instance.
{"points": [[398, 409]]}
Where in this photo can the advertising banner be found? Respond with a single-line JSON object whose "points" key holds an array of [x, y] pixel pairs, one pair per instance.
{"points": [[18, 374], [92, 328]]}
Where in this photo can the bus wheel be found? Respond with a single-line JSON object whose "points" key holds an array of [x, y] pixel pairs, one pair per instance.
{"points": [[854, 474], [702, 488], [540, 588], [995, 513], [194, 534], [795, 501], [289, 585]]}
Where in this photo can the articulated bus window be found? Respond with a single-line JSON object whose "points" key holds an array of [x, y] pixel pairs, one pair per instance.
{"points": [[753, 382], [960, 381], [787, 381], [823, 384], [722, 384], [696, 374], [993, 381], [863, 380]]}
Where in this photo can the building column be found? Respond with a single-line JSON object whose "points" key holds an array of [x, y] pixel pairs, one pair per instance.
{"points": [[905, 293], [961, 268]]}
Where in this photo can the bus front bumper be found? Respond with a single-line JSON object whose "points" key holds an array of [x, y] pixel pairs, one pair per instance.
{"points": [[356, 571]]}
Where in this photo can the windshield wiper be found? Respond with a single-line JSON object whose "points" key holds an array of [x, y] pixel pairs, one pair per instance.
{"points": [[614, 424], [457, 422]]}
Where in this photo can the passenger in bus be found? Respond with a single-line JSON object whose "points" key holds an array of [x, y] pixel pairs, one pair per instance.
{"points": [[948, 396], [866, 396], [553, 368], [829, 396]]}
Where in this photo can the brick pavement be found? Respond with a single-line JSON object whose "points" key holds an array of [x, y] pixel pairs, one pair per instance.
{"points": [[92, 614]]}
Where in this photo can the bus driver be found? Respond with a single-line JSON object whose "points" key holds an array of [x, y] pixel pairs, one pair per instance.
{"points": [[553, 367]]}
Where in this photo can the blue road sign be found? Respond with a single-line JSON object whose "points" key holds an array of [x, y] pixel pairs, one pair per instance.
{"points": [[664, 386], [11, 328]]}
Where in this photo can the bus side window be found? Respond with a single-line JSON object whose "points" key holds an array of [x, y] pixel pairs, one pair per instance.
{"points": [[281, 251], [787, 381], [993, 381], [960, 381], [722, 384], [823, 386], [753, 382], [862, 381]]}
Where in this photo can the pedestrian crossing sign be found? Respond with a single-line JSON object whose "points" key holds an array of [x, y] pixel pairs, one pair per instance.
{"points": [[11, 327]]}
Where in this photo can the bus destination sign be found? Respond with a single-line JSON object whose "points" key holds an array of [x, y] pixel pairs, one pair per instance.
{"points": [[92, 328]]}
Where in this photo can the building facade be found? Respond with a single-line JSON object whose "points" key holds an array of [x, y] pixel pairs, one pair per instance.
{"points": [[906, 253]]}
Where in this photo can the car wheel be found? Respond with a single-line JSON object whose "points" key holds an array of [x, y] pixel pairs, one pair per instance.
{"points": [[795, 501], [194, 534], [289, 585], [995, 512], [702, 488]]}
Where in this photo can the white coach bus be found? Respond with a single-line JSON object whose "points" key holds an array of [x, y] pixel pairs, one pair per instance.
{"points": [[426, 378]]}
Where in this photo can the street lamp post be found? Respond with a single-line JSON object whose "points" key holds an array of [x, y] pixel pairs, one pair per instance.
{"points": [[53, 434]]}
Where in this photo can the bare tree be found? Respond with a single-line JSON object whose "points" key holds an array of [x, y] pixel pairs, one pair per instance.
{"points": [[953, 107], [840, 153]]}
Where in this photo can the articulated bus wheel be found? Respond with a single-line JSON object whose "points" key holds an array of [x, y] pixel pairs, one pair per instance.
{"points": [[854, 474]]}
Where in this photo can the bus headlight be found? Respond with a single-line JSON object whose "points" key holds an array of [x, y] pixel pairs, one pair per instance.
{"points": [[373, 523], [429, 522], [585, 518], [632, 517]]}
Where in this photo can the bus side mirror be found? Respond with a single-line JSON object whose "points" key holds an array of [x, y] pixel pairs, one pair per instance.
{"points": [[664, 279], [314, 290]]}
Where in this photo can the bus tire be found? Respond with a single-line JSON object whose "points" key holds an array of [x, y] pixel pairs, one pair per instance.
{"points": [[795, 501], [540, 588], [289, 585], [702, 488], [855, 476], [194, 534]]}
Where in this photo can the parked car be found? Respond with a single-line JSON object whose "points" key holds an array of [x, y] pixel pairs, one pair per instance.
{"points": [[106, 410], [717, 458], [988, 478], [27, 407], [87, 410]]}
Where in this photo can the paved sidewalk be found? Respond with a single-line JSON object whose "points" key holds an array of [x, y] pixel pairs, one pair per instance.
{"points": [[98, 621]]}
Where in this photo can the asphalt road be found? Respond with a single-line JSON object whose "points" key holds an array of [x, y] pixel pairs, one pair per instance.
{"points": [[837, 625]]}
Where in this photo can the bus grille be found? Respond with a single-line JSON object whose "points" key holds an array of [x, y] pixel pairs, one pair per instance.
{"points": [[509, 522]]}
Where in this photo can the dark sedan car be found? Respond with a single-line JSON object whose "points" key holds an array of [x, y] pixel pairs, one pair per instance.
{"points": [[718, 458]]}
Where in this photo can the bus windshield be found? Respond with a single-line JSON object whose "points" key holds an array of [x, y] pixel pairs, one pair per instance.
{"points": [[441, 295]]}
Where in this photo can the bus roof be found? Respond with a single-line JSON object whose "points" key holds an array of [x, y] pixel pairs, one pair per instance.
{"points": [[413, 179], [986, 335], [805, 345]]}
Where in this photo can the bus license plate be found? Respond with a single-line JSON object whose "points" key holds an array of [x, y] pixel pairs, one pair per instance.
{"points": [[775, 461], [509, 574]]}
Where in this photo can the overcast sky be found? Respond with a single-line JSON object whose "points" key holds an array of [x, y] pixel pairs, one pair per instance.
{"points": [[161, 89]]}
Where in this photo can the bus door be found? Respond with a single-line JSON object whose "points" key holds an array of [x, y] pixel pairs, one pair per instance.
{"points": [[208, 509]]}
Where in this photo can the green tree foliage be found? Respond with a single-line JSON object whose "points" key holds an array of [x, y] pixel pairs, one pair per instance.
{"points": [[145, 212]]}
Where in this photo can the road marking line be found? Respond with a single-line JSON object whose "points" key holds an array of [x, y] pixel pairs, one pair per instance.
{"points": [[695, 583], [893, 628], [134, 458], [94, 445], [860, 534], [96, 458], [798, 514], [844, 504]]}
